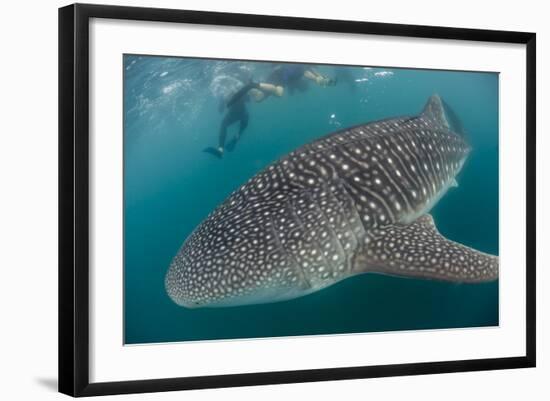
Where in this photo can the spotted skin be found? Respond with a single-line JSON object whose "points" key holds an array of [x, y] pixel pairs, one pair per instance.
{"points": [[420, 249], [354, 201]]}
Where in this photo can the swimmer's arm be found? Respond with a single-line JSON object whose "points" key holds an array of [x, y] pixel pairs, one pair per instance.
{"points": [[319, 79], [264, 89], [312, 74]]}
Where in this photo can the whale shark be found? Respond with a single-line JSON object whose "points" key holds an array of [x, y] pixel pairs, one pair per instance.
{"points": [[352, 202]]}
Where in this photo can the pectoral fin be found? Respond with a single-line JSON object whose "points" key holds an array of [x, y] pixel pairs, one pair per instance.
{"points": [[419, 250]]}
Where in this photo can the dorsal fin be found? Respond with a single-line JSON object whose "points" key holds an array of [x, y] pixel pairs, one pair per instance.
{"points": [[434, 111]]}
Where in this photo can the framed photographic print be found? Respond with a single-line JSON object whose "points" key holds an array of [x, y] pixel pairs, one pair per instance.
{"points": [[250, 199]]}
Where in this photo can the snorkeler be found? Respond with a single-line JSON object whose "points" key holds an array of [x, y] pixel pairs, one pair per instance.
{"points": [[291, 76], [237, 112]]}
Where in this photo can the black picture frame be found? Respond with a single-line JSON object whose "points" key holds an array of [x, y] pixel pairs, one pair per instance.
{"points": [[74, 198]]}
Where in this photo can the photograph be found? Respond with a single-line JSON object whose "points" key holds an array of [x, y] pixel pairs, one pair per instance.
{"points": [[275, 198]]}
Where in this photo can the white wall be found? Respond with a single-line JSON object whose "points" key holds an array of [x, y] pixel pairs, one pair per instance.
{"points": [[28, 200]]}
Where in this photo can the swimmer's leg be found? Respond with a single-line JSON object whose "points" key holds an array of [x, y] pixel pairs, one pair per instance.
{"points": [[271, 89], [226, 122], [242, 126], [244, 123]]}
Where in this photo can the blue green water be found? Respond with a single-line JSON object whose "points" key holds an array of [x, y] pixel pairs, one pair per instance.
{"points": [[171, 113]]}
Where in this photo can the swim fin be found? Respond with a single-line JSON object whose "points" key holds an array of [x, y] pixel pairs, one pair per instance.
{"points": [[241, 92], [214, 151]]}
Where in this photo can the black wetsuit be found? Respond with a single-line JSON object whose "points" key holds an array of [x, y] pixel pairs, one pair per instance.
{"points": [[287, 75], [236, 112]]}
